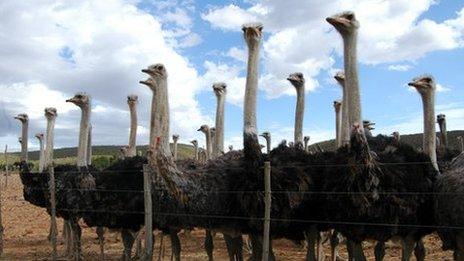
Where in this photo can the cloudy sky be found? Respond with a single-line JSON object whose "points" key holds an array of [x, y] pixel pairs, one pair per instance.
{"points": [[50, 50]]}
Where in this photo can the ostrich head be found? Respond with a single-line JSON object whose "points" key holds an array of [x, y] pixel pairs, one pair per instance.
{"points": [[194, 142], [265, 135], [80, 99], [424, 84], [358, 140], [156, 71], [22, 117], [150, 82], [204, 128], [132, 99], [20, 140], [337, 106], [345, 22], [175, 137], [212, 130], [396, 135], [306, 138], [296, 79], [231, 148], [253, 33], [39, 136], [50, 113], [220, 89], [340, 77], [367, 124], [441, 118]]}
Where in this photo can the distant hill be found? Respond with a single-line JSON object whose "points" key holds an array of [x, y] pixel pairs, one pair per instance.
{"points": [[183, 150], [414, 140]]}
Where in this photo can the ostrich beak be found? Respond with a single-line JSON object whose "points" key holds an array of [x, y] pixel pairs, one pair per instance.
{"points": [[199, 129], [337, 21], [413, 84], [70, 100], [146, 71], [144, 82]]}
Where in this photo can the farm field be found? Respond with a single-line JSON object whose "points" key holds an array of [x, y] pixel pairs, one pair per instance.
{"points": [[26, 230]]}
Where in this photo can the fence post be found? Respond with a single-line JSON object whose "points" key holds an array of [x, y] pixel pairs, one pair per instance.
{"points": [[7, 171], [51, 187], [267, 209], [1, 222], [148, 213]]}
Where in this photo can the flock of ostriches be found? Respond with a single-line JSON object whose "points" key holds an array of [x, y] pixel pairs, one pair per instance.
{"points": [[370, 188]]}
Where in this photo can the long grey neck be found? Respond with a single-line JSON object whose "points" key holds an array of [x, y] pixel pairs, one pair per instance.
{"points": [[195, 147], [161, 119], [83, 137], [152, 117], [131, 150], [49, 139], [444, 135], [24, 131], [89, 146], [351, 79], [462, 143], [209, 146], [268, 144], [174, 145], [338, 128], [251, 146], [429, 138], [345, 122], [41, 155], [299, 115], [219, 135]]}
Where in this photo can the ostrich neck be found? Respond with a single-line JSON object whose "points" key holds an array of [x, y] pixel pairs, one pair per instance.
{"points": [[306, 145], [89, 146], [429, 138], [251, 145], [83, 137], [152, 119], [41, 156], [351, 79], [338, 130], [174, 145], [268, 145], [345, 123], [208, 145], [24, 131], [299, 115], [219, 136], [443, 134], [49, 139], [195, 147], [131, 151], [161, 118]]}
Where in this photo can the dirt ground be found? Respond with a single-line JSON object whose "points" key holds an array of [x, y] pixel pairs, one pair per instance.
{"points": [[26, 230]]}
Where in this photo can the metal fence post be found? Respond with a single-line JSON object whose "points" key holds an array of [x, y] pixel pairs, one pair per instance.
{"points": [[267, 209], [148, 213], [51, 187]]}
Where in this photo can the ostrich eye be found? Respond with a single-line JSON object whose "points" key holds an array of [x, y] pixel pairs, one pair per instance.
{"points": [[159, 67], [79, 96], [427, 79], [349, 16]]}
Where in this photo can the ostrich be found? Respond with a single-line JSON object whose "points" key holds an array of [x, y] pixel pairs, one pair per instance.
{"points": [[24, 119], [306, 143], [195, 150], [207, 131], [267, 136], [220, 90], [231, 147], [175, 139], [425, 85], [441, 120], [461, 141], [132, 103], [345, 127], [347, 25], [40, 137], [298, 81], [337, 107], [50, 115]]}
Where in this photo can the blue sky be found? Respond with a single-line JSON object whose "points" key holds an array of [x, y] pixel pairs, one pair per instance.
{"points": [[100, 49]]}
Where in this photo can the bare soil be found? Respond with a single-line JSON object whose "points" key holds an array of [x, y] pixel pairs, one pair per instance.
{"points": [[26, 230]]}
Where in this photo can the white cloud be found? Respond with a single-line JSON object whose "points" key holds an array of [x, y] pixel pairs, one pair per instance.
{"points": [[299, 38], [56, 49], [400, 67], [441, 88]]}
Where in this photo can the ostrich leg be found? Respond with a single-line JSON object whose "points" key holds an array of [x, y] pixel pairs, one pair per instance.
{"points": [[209, 244], [419, 250], [128, 242], [379, 251], [358, 252], [101, 241], [175, 244]]}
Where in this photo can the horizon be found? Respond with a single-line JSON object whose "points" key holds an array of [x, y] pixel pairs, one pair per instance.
{"points": [[54, 50]]}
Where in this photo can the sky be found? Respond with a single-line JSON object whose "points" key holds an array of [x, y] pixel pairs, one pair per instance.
{"points": [[52, 49]]}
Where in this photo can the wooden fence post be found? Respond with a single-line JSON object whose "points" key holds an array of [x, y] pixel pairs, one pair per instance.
{"points": [[148, 213], [267, 209], [51, 187], [1, 217], [7, 170]]}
